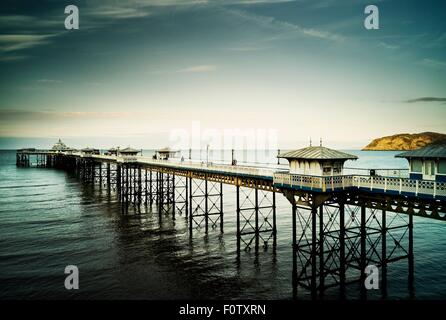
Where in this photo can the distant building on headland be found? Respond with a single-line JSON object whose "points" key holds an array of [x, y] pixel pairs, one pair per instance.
{"points": [[428, 163], [317, 161]]}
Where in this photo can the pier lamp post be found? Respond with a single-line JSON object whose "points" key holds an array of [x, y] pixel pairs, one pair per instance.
{"points": [[207, 154]]}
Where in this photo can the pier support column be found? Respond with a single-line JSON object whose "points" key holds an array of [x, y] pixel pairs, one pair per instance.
{"points": [[294, 248], [410, 254], [342, 254], [363, 261], [108, 181], [383, 254], [205, 203], [256, 217], [181, 195], [165, 193], [139, 186], [119, 181]]}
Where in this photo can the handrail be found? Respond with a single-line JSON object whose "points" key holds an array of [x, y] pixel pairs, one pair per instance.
{"points": [[370, 183]]}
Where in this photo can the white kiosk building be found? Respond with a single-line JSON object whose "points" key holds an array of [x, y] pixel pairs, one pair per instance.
{"points": [[317, 161], [128, 152], [427, 163], [165, 154]]}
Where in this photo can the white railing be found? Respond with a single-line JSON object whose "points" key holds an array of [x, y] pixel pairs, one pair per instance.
{"points": [[202, 166], [372, 183], [295, 181]]}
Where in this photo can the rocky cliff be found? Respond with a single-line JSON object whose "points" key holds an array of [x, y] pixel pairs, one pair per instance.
{"points": [[406, 141]]}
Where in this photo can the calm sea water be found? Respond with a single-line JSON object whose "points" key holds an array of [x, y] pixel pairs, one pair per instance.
{"points": [[49, 220]]}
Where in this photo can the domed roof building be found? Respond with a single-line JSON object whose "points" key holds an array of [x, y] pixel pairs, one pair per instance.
{"points": [[60, 146]]}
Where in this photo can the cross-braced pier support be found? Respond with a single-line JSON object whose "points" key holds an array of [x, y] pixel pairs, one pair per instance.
{"points": [[165, 193], [205, 204], [256, 218], [334, 241]]}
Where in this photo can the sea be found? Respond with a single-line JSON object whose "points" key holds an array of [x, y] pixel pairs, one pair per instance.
{"points": [[50, 220]]}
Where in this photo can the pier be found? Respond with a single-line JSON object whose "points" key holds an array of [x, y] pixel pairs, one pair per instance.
{"points": [[340, 223]]}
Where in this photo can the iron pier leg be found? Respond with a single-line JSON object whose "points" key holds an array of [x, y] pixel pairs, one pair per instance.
{"points": [[384, 254], [100, 175], [274, 223], [145, 187], [294, 247], [139, 186], [238, 219], [118, 181], [256, 208], [221, 207], [206, 212], [190, 207], [321, 252], [108, 178], [313, 252], [187, 196], [127, 185], [411, 255], [363, 261], [172, 196], [342, 249], [151, 187]]}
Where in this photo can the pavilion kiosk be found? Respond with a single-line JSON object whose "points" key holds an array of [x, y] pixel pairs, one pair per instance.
{"points": [[89, 151], [165, 154], [317, 161], [59, 146], [128, 152], [428, 163], [112, 152]]}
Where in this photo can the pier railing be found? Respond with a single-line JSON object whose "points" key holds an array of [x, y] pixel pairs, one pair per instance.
{"points": [[390, 185], [188, 165]]}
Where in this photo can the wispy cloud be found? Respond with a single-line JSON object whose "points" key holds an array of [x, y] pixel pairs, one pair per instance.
{"points": [[388, 45], [14, 42], [50, 81], [286, 28], [199, 68], [203, 68], [426, 99], [15, 57], [246, 48], [434, 63], [118, 12], [23, 115]]}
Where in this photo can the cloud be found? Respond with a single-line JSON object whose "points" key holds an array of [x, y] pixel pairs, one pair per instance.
{"points": [[434, 63], [388, 46], [17, 57], [23, 115], [14, 42], [286, 28], [118, 13], [426, 99], [204, 68], [199, 68], [50, 81]]}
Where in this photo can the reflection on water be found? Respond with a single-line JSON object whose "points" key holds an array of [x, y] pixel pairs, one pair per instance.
{"points": [[49, 220]]}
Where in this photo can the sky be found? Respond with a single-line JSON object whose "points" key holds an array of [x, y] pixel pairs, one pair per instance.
{"points": [[137, 72]]}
